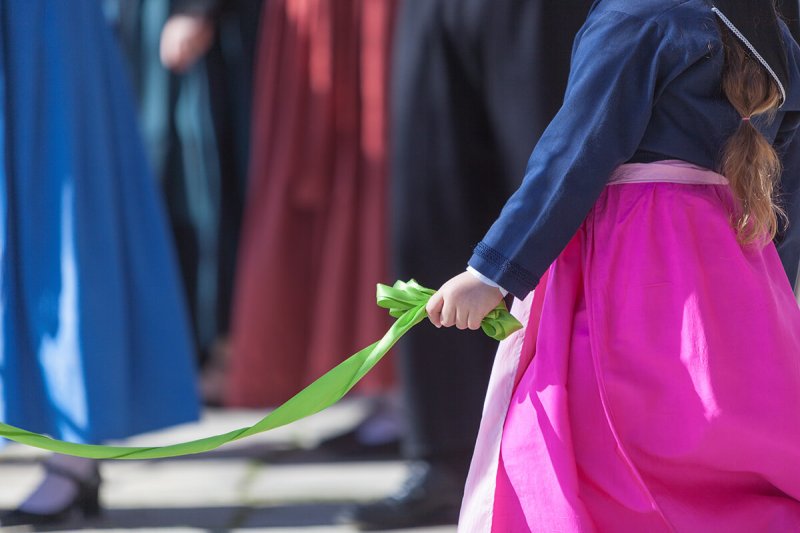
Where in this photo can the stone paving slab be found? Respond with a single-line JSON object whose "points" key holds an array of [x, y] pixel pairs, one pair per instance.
{"points": [[16, 480], [326, 482], [173, 484], [274, 482]]}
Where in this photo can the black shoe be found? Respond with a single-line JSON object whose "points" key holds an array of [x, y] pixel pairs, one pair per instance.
{"points": [[86, 503], [430, 496]]}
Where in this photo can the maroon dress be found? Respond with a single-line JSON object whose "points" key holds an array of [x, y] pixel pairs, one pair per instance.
{"points": [[314, 241]]}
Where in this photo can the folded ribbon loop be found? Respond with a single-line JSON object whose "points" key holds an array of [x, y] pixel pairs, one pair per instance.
{"points": [[405, 301], [402, 297]]}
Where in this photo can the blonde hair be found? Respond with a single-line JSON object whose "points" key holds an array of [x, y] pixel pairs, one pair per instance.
{"points": [[748, 159]]}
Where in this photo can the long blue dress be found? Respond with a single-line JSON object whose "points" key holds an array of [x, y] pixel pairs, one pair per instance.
{"points": [[95, 340]]}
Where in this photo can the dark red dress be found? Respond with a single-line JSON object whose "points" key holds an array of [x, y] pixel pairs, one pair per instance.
{"points": [[314, 241]]}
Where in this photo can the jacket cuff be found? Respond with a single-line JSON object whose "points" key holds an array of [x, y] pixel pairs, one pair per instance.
{"points": [[506, 273]]}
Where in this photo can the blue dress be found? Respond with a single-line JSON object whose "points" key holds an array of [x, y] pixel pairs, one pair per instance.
{"points": [[95, 340]]}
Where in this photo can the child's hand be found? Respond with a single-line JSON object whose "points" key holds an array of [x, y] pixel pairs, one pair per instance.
{"points": [[463, 302]]}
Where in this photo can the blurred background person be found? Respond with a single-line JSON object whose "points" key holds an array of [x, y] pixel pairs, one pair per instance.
{"points": [[192, 63], [314, 239], [95, 342], [475, 82]]}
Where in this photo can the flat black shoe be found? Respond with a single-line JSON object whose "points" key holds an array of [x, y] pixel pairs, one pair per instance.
{"points": [[431, 496], [85, 505]]}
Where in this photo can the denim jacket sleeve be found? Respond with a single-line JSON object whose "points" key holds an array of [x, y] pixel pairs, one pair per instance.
{"points": [[619, 62]]}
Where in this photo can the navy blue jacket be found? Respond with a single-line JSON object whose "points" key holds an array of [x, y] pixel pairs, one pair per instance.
{"points": [[645, 85]]}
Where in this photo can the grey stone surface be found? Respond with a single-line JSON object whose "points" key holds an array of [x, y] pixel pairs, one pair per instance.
{"points": [[275, 482]]}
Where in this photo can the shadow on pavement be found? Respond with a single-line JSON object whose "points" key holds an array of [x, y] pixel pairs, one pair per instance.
{"points": [[210, 518]]}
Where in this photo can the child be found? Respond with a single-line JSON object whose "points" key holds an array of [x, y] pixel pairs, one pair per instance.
{"points": [[665, 389]]}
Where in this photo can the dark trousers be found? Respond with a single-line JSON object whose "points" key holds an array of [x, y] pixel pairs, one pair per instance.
{"points": [[475, 83]]}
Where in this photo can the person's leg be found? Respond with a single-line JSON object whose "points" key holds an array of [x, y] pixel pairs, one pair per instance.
{"points": [[445, 191], [61, 483], [475, 84], [70, 485]]}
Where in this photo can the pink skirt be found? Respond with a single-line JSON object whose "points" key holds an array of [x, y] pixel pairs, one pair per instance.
{"points": [[665, 390]]}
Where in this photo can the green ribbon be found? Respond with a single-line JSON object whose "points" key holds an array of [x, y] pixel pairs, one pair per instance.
{"points": [[405, 302]]}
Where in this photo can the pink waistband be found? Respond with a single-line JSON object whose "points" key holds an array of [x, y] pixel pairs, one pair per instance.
{"points": [[670, 171]]}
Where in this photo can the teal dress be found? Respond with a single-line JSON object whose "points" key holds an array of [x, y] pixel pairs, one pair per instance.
{"points": [[196, 127]]}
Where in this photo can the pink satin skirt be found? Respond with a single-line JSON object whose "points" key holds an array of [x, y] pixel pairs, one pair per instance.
{"points": [[664, 394]]}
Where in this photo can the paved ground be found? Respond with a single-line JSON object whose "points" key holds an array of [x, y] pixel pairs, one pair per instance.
{"points": [[273, 483]]}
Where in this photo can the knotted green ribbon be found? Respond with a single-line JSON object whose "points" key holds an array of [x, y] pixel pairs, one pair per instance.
{"points": [[405, 302]]}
